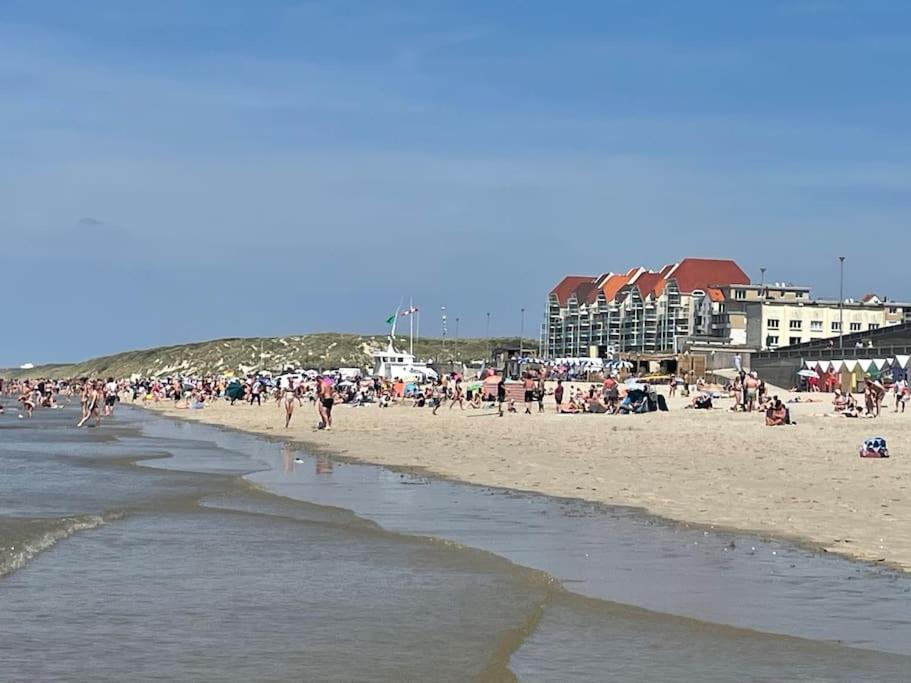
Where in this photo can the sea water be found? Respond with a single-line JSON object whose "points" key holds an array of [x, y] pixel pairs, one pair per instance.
{"points": [[153, 549]]}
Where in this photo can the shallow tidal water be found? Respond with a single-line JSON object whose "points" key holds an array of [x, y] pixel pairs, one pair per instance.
{"points": [[154, 549]]}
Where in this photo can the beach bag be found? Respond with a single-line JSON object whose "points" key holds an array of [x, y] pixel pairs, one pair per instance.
{"points": [[874, 447]]}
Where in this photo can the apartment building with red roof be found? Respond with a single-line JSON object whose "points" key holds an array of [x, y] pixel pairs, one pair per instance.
{"points": [[640, 311]]}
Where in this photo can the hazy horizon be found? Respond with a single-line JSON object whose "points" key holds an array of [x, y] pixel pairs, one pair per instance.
{"points": [[182, 171]]}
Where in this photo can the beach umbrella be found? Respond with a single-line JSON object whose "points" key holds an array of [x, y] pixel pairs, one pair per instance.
{"points": [[808, 373]]}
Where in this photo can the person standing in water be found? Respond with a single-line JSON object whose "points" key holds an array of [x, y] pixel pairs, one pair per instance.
{"points": [[93, 399], [110, 396]]}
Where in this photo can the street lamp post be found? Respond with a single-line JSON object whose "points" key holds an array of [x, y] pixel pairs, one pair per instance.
{"points": [[457, 338], [522, 333], [841, 304], [487, 334]]}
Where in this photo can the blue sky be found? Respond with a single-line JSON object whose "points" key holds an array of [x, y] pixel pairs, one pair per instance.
{"points": [[183, 170]]}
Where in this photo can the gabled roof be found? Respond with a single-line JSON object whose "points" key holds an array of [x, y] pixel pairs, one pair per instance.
{"points": [[646, 283], [612, 285], [568, 285], [585, 292], [699, 273], [870, 299], [715, 294]]}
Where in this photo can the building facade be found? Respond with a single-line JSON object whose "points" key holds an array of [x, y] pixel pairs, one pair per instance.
{"points": [[640, 311], [775, 324], [697, 301]]}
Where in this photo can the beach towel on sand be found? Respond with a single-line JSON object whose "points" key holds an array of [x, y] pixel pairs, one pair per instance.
{"points": [[874, 447]]}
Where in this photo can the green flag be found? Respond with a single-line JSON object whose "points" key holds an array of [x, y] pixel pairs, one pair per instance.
{"points": [[390, 319]]}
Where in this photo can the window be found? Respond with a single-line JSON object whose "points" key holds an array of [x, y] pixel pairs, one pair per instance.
{"points": [[795, 324], [816, 326], [892, 310], [873, 326], [836, 327], [855, 327], [793, 340], [772, 323], [772, 340], [740, 294]]}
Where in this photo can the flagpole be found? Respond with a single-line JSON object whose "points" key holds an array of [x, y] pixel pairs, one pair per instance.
{"points": [[411, 324], [394, 321]]}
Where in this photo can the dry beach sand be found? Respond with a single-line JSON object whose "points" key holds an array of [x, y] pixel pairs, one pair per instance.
{"points": [[803, 482]]}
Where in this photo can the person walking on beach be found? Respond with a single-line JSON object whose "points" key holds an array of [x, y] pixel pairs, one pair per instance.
{"points": [[558, 394], [288, 397], [325, 401], [539, 392], [528, 384], [438, 395], [501, 393], [457, 394], [256, 392]]}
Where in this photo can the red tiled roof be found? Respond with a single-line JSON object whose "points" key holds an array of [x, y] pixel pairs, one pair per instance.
{"points": [[715, 294], [612, 285], [568, 285], [699, 273], [646, 283], [663, 281], [585, 292]]}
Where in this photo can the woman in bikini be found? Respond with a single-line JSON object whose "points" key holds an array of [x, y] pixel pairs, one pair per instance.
{"points": [[92, 401], [289, 396], [457, 394]]}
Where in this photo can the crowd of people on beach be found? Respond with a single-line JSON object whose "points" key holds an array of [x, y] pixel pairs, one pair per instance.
{"points": [[608, 394]]}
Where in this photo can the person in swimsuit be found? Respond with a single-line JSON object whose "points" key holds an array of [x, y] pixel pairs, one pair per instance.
{"points": [[27, 403], [457, 394], [751, 387], [528, 385], [501, 393], [326, 400], [93, 400], [110, 396], [288, 397], [558, 394]]}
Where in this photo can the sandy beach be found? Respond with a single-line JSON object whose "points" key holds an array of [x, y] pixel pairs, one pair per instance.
{"points": [[804, 482]]}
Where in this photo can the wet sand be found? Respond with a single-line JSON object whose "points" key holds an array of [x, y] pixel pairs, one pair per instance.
{"points": [[804, 483]]}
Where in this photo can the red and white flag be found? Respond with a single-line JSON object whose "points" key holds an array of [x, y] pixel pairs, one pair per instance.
{"points": [[409, 311]]}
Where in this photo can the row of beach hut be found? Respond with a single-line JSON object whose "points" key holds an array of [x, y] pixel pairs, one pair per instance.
{"points": [[848, 374]]}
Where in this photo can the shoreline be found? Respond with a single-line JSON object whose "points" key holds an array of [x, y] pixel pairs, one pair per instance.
{"points": [[822, 522]]}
